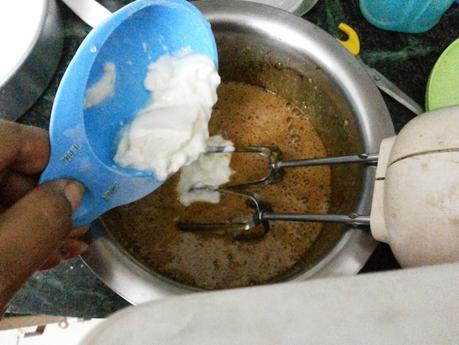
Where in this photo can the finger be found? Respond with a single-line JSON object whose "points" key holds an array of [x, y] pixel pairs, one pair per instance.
{"points": [[79, 232], [52, 261], [13, 186], [24, 148], [32, 229], [71, 248]]}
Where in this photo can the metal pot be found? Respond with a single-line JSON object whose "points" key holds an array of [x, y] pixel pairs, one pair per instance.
{"points": [[299, 7], [37, 54], [274, 49]]}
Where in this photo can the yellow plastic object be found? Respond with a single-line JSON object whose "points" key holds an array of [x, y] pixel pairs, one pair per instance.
{"points": [[353, 42], [443, 85]]}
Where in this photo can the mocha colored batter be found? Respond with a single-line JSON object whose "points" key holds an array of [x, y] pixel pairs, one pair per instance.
{"points": [[246, 115]]}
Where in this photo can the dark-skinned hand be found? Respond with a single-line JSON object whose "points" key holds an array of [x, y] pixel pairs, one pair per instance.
{"points": [[35, 221]]}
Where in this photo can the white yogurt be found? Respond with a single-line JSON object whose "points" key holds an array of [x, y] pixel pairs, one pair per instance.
{"points": [[208, 170], [102, 88], [171, 131]]}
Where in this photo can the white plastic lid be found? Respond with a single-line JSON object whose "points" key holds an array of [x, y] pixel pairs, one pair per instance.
{"points": [[20, 25]]}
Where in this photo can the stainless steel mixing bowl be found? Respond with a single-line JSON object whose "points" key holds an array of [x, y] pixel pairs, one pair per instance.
{"points": [[296, 59]]}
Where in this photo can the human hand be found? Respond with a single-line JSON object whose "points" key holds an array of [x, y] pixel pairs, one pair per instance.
{"points": [[35, 221]]}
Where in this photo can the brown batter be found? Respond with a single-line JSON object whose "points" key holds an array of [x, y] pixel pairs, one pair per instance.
{"points": [[246, 115]]}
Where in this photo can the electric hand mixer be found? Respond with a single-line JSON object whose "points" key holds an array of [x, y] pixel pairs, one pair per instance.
{"points": [[416, 195], [415, 204]]}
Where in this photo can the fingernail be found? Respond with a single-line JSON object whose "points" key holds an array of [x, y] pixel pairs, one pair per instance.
{"points": [[51, 262], [84, 247], [74, 191], [80, 231], [72, 249]]}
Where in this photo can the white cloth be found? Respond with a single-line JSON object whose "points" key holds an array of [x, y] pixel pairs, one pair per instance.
{"points": [[413, 306]]}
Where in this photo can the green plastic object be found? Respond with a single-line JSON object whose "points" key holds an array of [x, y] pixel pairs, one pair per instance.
{"points": [[443, 84]]}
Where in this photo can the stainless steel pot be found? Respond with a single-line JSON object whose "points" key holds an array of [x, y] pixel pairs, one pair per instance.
{"points": [[26, 81], [299, 7], [277, 50]]}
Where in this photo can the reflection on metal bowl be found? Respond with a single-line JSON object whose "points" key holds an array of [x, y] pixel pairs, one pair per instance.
{"points": [[298, 7]]}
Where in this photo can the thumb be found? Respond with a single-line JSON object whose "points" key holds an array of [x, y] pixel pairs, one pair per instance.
{"points": [[32, 229]]}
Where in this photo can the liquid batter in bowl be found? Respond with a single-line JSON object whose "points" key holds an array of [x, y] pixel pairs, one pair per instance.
{"points": [[246, 115]]}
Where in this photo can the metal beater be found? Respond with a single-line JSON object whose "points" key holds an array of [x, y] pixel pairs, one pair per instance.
{"points": [[263, 212]]}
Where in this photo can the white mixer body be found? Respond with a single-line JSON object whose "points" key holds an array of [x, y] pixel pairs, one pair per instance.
{"points": [[416, 198]]}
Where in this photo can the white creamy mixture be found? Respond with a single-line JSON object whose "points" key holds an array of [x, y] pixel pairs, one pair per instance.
{"points": [[172, 130], [103, 88], [209, 169]]}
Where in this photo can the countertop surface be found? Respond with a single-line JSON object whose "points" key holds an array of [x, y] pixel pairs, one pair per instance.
{"points": [[406, 59]]}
